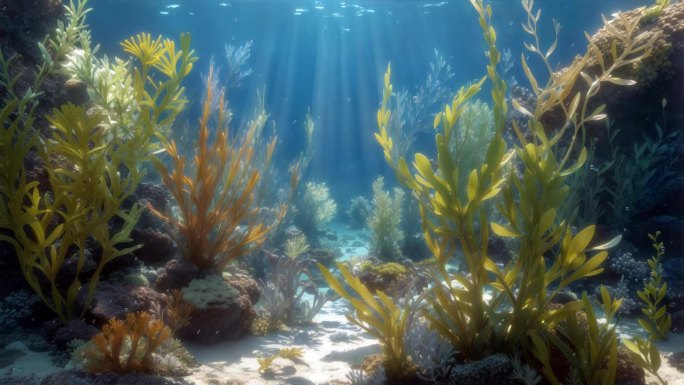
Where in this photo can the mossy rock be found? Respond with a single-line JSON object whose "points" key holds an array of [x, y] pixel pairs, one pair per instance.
{"points": [[210, 292], [384, 277]]}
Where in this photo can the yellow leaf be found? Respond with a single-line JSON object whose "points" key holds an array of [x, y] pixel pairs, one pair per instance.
{"points": [[503, 231]]}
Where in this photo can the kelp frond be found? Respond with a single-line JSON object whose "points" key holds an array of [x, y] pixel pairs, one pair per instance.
{"points": [[219, 217]]}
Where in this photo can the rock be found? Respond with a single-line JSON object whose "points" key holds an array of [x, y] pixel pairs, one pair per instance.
{"points": [[676, 360], [156, 195], [628, 372], [323, 256], [564, 297], [246, 286], [177, 274], [158, 247], [492, 370], [73, 330], [112, 300], [221, 311], [678, 322], [383, 276]]}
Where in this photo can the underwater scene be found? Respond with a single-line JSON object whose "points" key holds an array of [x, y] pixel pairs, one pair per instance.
{"points": [[332, 192]]}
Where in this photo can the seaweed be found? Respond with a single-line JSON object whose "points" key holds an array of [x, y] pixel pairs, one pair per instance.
{"points": [[92, 158], [219, 220], [528, 184], [380, 317], [384, 222], [658, 321]]}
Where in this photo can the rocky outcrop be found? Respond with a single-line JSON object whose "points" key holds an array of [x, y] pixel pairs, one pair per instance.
{"points": [[114, 300], [222, 312]]}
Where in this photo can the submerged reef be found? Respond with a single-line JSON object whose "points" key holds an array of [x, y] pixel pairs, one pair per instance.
{"points": [[124, 271]]}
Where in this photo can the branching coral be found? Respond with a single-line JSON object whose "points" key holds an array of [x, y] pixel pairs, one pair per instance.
{"points": [[125, 347], [219, 221]]}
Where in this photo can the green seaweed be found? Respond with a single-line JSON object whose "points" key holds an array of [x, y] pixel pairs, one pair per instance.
{"points": [[93, 158], [658, 321], [384, 222]]}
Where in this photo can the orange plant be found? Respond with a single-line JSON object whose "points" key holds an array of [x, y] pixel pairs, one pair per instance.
{"points": [[125, 347], [220, 220]]}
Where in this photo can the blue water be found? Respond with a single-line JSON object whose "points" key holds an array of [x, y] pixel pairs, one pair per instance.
{"points": [[330, 56]]}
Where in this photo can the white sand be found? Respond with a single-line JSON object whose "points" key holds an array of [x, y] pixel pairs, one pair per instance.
{"points": [[323, 360]]}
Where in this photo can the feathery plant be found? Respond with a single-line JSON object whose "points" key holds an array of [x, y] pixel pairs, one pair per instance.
{"points": [[385, 222], [92, 158], [219, 219], [658, 322]]}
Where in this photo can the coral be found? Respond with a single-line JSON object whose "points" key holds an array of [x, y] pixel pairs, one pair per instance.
{"points": [[296, 246], [125, 347], [360, 377], [624, 264], [385, 222], [219, 222], [431, 353], [358, 212], [523, 372]]}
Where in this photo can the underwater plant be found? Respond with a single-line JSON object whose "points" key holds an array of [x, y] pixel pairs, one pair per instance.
{"points": [[93, 158], [413, 113], [286, 283], [658, 321], [380, 317], [126, 346], [296, 246], [315, 209], [358, 212], [291, 354], [639, 175], [589, 346], [219, 221], [384, 222], [517, 315], [174, 311]]}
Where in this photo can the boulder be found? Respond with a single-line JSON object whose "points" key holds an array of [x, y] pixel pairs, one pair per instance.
{"points": [[177, 273], [114, 300], [221, 313]]}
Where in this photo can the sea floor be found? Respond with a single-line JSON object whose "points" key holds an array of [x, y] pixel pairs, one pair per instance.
{"points": [[331, 345]]}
